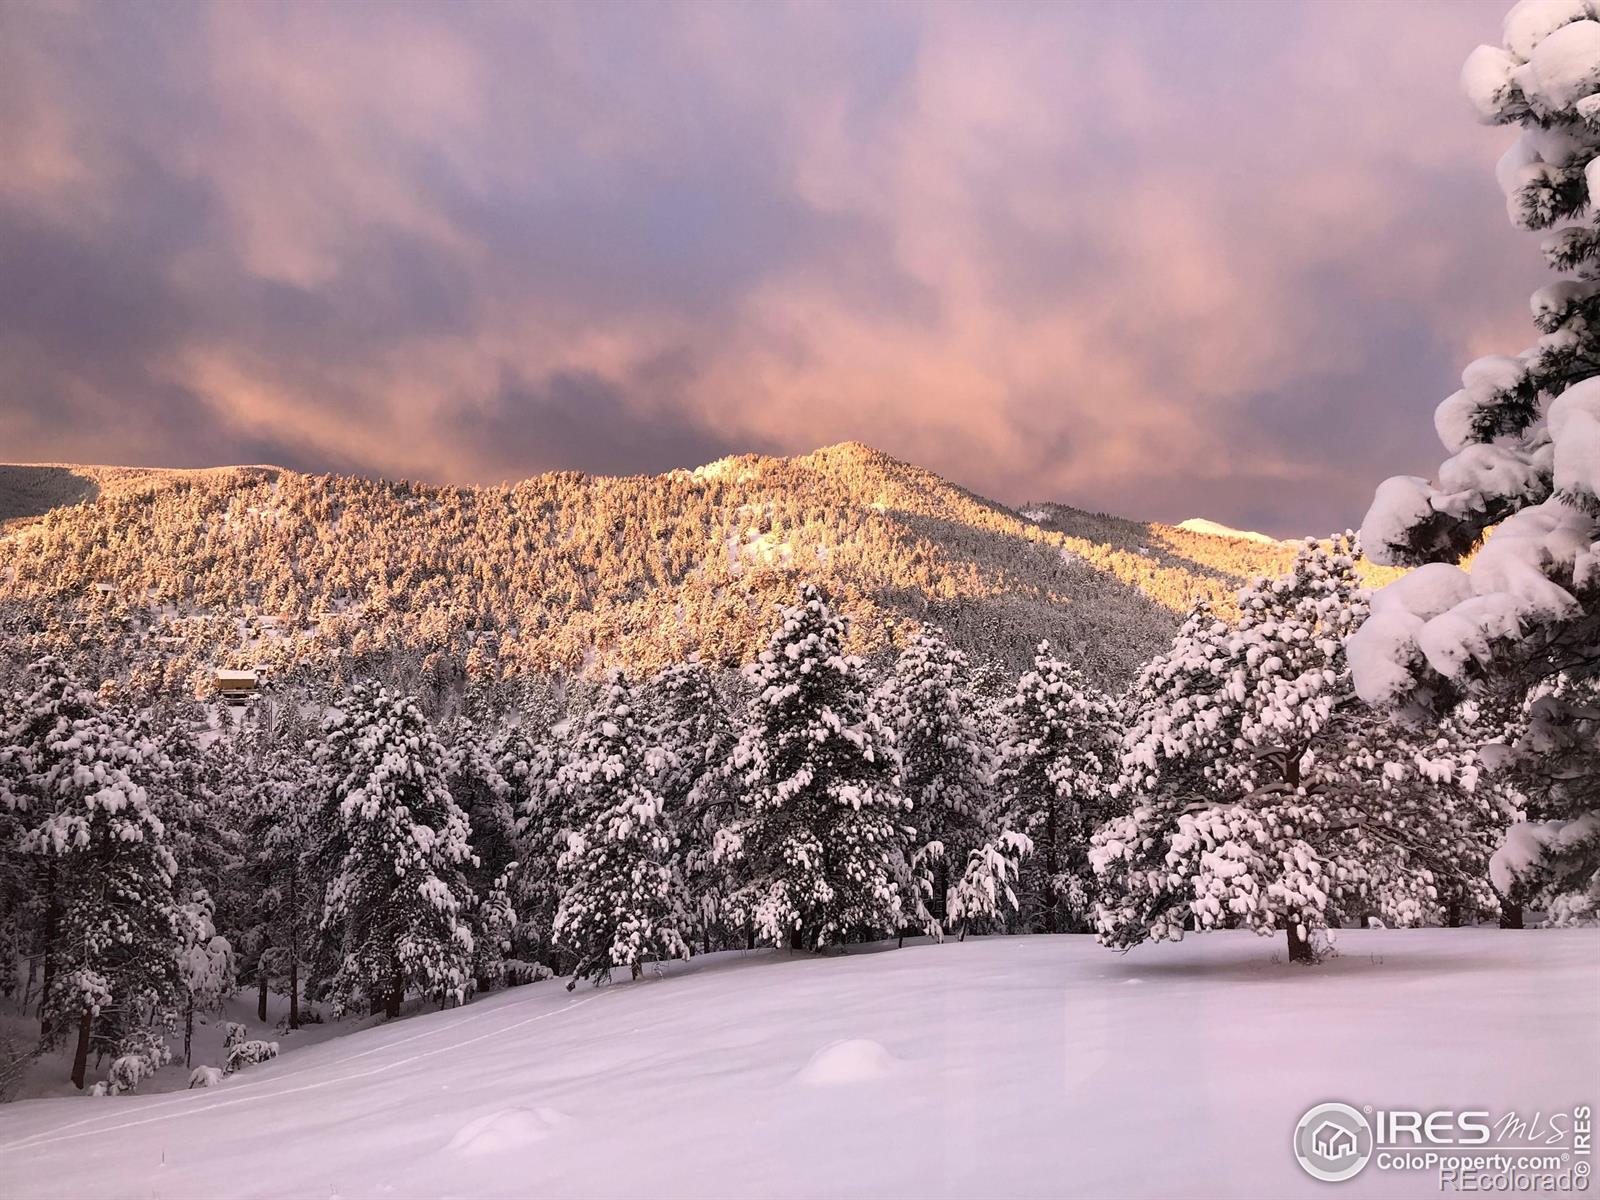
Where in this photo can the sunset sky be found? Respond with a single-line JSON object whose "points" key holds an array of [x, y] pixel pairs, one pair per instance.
{"points": [[1162, 259]]}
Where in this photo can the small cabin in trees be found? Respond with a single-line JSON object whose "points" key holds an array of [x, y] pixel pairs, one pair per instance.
{"points": [[237, 687]]}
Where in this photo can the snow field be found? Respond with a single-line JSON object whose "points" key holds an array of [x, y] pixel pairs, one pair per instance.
{"points": [[1033, 1066]]}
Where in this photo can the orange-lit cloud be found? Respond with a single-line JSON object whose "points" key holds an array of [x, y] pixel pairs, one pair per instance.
{"points": [[1164, 259]]}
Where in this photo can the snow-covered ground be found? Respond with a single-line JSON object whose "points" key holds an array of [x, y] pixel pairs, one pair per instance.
{"points": [[1037, 1066]]}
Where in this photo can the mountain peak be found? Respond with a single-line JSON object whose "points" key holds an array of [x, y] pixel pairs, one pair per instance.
{"points": [[849, 449], [1213, 529]]}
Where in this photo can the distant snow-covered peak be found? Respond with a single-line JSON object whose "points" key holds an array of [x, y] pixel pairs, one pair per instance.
{"points": [[1201, 525]]}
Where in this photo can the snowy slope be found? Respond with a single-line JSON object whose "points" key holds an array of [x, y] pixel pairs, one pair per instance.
{"points": [[1026, 1066], [583, 570], [1201, 525]]}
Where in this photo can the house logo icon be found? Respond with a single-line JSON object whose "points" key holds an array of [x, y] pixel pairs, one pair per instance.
{"points": [[1332, 1142]]}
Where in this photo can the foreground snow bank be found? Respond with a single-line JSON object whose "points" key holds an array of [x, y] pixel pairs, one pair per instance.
{"points": [[1004, 1066]]}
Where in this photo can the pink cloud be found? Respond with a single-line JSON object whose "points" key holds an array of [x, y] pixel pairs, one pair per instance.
{"points": [[1142, 258]]}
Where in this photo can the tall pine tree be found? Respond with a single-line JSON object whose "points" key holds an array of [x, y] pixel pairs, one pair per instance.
{"points": [[393, 846], [472, 773], [1057, 765], [112, 930], [1265, 796], [1521, 622], [947, 757], [815, 829], [695, 733], [279, 816], [617, 904]]}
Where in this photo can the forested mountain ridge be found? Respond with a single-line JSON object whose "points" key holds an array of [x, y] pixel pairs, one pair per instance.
{"points": [[154, 577], [31, 491]]}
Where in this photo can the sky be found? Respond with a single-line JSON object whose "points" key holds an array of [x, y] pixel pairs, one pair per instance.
{"points": [[1158, 259]]}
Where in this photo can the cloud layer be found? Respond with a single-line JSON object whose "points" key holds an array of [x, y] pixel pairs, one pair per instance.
{"points": [[1159, 259]]}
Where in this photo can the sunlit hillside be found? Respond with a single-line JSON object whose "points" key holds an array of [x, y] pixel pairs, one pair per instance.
{"points": [[154, 577]]}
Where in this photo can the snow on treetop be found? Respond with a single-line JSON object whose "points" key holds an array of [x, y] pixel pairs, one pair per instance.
{"points": [[1523, 431], [1574, 421], [1531, 21], [1564, 66], [1213, 529], [1553, 305], [1486, 78]]}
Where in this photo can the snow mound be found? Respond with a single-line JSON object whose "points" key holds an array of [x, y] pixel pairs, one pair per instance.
{"points": [[853, 1061], [505, 1129], [1213, 529]]}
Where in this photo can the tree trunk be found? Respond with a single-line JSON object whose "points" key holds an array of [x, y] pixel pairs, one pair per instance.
{"points": [[80, 1058], [1452, 912], [391, 1008], [1299, 947], [33, 976], [294, 992], [294, 949], [261, 991], [1510, 915], [188, 1030], [797, 939], [52, 933], [1050, 863]]}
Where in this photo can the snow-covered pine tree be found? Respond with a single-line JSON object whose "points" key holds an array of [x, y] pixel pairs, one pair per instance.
{"points": [[617, 907], [1057, 764], [205, 964], [1521, 624], [192, 784], [530, 770], [278, 814], [472, 771], [814, 834], [393, 846], [188, 782], [987, 886], [19, 906], [1547, 859], [473, 776], [113, 929], [947, 754], [493, 920], [691, 724], [1263, 795], [269, 782], [31, 749]]}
